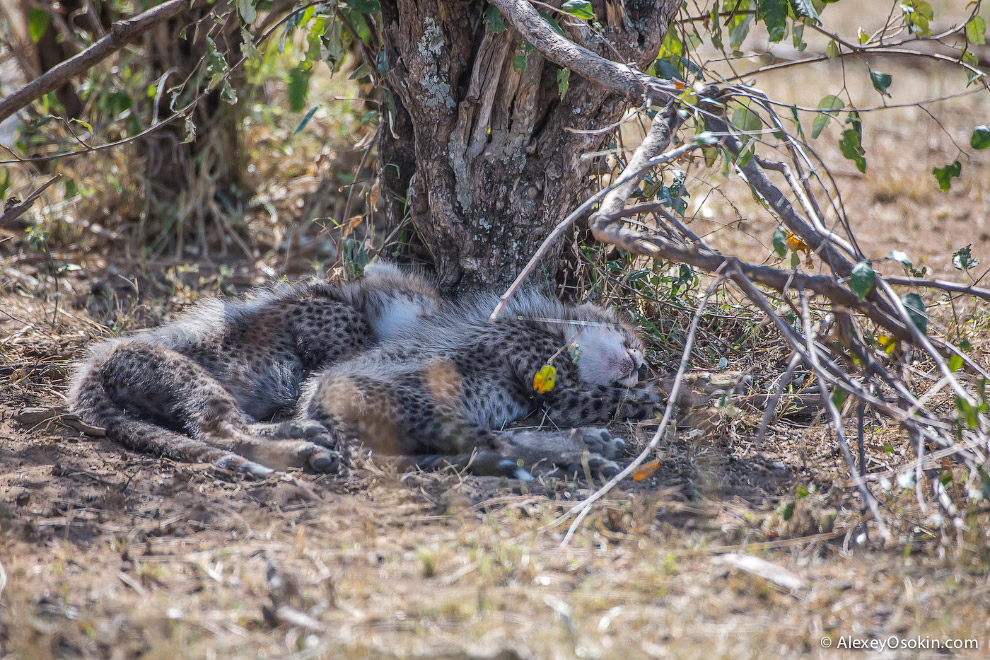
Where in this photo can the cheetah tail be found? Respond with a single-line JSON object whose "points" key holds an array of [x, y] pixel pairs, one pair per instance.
{"points": [[89, 399]]}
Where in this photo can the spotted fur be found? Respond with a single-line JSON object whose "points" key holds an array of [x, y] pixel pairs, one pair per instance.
{"points": [[206, 387], [440, 392]]}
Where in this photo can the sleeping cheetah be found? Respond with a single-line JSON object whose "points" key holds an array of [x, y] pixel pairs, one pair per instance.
{"points": [[441, 393], [201, 388]]}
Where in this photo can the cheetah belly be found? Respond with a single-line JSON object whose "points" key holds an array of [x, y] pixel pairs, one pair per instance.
{"points": [[495, 407]]}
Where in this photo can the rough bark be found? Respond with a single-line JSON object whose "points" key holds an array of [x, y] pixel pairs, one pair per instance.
{"points": [[494, 158]]}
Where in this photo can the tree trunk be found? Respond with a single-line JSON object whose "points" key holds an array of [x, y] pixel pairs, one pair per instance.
{"points": [[488, 154]]}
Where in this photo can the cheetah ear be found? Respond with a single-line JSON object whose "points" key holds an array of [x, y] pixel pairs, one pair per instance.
{"points": [[382, 270], [572, 332]]}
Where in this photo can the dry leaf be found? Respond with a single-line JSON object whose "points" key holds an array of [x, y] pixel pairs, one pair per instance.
{"points": [[645, 471]]}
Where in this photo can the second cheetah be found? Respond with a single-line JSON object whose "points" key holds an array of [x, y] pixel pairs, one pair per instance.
{"points": [[204, 387]]}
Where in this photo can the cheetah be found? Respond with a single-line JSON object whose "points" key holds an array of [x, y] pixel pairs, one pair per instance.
{"points": [[443, 392], [206, 387]]}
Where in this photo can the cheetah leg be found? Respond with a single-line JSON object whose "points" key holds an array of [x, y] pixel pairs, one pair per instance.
{"points": [[602, 403], [401, 420], [567, 450], [151, 382]]}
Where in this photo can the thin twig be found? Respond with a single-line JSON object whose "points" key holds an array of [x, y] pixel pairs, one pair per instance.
{"points": [[579, 212], [868, 500], [771, 409], [582, 508]]}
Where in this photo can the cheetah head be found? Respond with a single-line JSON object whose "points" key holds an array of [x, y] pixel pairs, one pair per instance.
{"points": [[610, 351]]}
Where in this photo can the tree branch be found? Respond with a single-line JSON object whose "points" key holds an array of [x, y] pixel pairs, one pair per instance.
{"points": [[14, 212], [619, 78], [953, 287], [665, 124], [120, 34]]}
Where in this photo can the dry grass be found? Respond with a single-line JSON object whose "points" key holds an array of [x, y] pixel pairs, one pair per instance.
{"points": [[112, 554]]}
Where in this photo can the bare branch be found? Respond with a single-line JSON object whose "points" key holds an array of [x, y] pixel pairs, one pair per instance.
{"points": [[665, 124], [121, 33], [621, 79], [14, 212], [953, 287]]}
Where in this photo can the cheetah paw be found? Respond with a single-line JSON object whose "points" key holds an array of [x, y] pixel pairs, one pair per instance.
{"points": [[296, 429], [600, 441], [280, 454]]}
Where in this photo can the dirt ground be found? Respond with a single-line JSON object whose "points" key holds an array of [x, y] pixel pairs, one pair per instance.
{"points": [[730, 549]]}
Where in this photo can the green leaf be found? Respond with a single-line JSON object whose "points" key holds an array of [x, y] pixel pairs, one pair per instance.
{"points": [[493, 20], [746, 120], [774, 14], [305, 120], [974, 72], [86, 125], [797, 36], [969, 414], [714, 27], [851, 143], [861, 279], [852, 148], [955, 362], [881, 81], [795, 260], [797, 122], [981, 138], [710, 154], [361, 72], [975, 28], [38, 21], [828, 107], [963, 259], [805, 9], [579, 9], [746, 153], [916, 310], [549, 19], [738, 29], [563, 82], [832, 50], [298, 88], [247, 11], [521, 55], [944, 175], [780, 242], [365, 6], [917, 15], [839, 397]]}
